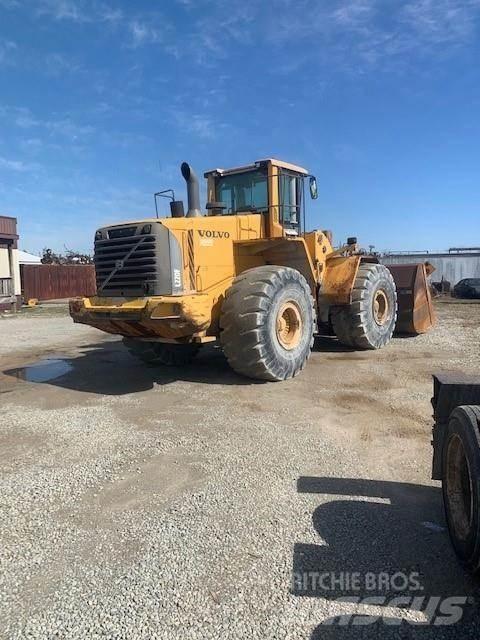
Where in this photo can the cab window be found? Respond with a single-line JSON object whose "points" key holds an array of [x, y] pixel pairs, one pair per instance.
{"points": [[290, 201], [243, 192]]}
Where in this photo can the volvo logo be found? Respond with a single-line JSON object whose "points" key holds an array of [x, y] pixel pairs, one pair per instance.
{"points": [[213, 234]]}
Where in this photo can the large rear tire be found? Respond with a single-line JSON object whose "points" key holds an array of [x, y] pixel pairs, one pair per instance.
{"points": [[267, 323], [369, 321], [163, 353], [460, 484]]}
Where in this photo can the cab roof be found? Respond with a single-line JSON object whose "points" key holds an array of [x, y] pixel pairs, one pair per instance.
{"points": [[255, 165]]}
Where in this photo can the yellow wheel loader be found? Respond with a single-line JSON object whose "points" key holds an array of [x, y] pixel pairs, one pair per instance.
{"points": [[246, 273]]}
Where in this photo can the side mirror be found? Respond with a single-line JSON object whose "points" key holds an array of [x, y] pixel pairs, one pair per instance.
{"points": [[313, 188]]}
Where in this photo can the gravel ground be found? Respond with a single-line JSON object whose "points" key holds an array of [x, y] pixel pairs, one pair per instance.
{"points": [[149, 503]]}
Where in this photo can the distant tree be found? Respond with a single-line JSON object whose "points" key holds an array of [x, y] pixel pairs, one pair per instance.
{"points": [[70, 257], [74, 257], [50, 257]]}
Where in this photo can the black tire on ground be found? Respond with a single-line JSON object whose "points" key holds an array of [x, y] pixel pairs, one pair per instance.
{"points": [[267, 323], [369, 321], [171, 355], [460, 484]]}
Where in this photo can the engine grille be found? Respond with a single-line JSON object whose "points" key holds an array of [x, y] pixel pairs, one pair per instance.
{"points": [[126, 264]]}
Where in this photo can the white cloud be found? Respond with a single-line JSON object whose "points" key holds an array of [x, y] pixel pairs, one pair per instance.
{"points": [[200, 125], [14, 165], [361, 34], [63, 10], [442, 22], [356, 35], [20, 116], [64, 126], [142, 33], [353, 14], [110, 14], [79, 11]]}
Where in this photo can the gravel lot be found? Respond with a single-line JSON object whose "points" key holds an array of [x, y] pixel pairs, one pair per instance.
{"points": [[140, 502]]}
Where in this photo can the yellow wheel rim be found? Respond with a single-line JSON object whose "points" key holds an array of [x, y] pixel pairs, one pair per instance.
{"points": [[380, 307], [289, 326]]}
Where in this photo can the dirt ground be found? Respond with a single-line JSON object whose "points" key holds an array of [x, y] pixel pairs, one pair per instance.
{"points": [[140, 502]]}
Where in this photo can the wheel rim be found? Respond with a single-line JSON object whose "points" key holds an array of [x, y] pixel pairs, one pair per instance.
{"points": [[459, 488], [380, 307], [289, 326]]}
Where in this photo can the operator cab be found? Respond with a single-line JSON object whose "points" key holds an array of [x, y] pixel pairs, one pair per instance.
{"points": [[268, 186]]}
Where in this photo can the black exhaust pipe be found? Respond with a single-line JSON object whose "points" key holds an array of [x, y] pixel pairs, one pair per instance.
{"points": [[193, 190]]}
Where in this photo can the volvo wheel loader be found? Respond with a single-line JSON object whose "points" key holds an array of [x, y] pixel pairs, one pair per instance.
{"points": [[246, 273]]}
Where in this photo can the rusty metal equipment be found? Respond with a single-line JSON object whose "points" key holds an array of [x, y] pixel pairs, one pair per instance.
{"points": [[415, 308]]}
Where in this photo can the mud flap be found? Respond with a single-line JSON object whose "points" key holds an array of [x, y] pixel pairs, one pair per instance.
{"points": [[415, 308]]}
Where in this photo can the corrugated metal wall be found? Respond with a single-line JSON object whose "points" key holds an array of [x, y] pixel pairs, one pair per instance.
{"points": [[54, 281], [451, 266]]}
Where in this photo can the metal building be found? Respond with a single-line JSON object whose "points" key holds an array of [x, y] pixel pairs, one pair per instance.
{"points": [[10, 298], [452, 265]]}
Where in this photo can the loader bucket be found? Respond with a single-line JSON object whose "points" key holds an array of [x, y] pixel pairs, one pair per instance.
{"points": [[415, 308]]}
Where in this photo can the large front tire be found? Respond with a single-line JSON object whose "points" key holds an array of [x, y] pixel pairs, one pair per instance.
{"points": [[267, 323], [369, 321], [163, 353], [460, 484]]}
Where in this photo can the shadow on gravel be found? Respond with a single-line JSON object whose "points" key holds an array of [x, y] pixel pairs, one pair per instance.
{"points": [[107, 368], [389, 544], [330, 344]]}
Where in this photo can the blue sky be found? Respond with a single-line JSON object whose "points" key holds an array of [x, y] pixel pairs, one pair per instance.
{"points": [[100, 103]]}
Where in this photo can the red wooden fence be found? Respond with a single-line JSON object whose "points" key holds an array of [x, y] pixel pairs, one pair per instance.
{"points": [[54, 281]]}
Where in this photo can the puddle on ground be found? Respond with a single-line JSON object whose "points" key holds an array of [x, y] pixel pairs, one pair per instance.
{"points": [[42, 371]]}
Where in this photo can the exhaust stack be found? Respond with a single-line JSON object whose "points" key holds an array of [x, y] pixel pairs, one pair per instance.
{"points": [[193, 190]]}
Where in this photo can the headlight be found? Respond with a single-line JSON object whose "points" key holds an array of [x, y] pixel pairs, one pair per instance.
{"points": [[98, 235], [146, 229]]}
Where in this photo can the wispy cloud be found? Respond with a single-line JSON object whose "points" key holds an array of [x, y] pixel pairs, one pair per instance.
{"points": [[31, 144], [344, 33], [7, 49], [112, 15], [80, 11], [359, 34], [16, 165], [56, 64], [69, 129], [63, 126], [20, 116], [142, 32], [63, 10], [442, 22], [200, 124]]}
